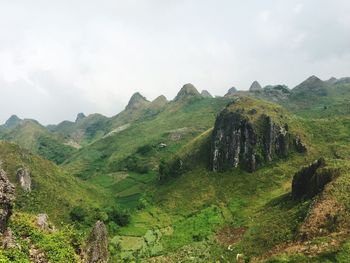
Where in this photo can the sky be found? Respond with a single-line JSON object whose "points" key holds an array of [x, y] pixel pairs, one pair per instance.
{"points": [[61, 57]]}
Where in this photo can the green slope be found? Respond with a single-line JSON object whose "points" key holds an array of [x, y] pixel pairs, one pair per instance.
{"points": [[174, 126], [30, 135], [54, 191]]}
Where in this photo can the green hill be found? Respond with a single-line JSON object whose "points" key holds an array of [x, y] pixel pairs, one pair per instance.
{"points": [[54, 191], [31, 135]]}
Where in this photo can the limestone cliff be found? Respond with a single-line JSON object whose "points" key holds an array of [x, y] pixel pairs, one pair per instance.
{"points": [[248, 133], [7, 195], [97, 244]]}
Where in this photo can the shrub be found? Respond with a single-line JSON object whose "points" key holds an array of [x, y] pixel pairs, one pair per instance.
{"points": [[118, 215], [78, 214]]}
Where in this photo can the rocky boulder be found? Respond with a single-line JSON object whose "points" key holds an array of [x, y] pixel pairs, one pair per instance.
{"points": [[8, 240], [7, 195], [247, 134], [311, 180], [97, 245], [24, 179]]}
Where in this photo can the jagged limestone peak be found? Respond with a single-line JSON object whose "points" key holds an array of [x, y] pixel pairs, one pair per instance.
{"points": [[188, 90], [137, 101], [255, 87]]}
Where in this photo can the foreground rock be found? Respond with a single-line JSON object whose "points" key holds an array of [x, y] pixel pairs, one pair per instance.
{"points": [[97, 245], [246, 135], [8, 240], [24, 179], [7, 195], [310, 180]]}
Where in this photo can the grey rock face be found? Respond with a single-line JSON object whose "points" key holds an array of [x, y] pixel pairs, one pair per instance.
{"points": [[80, 116], [188, 90], [42, 221], [255, 87], [236, 141], [24, 179], [8, 240], [231, 91], [137, 101], [97, 244], [12, 121], [7, 195], [310, 180]]}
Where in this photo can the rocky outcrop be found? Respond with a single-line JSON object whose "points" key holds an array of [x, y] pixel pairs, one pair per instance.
{"points": [[255, 87], [42, 221], [24, 179], [206, 94], [231, 91], [8, 240], [187, 91], [310, 180], [12, 121], [7, 195], [137, 101], [97, 245], [247, 138], [80, 117]]}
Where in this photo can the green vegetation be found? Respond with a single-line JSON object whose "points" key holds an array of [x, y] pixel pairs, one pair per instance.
{"points": [[145, 174], [58, 246]]}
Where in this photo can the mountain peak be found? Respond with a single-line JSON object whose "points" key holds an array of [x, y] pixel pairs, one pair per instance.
{"points": [[159, 102], [188, 90], [80, 116], [206, 94], [136, 101], [255, 86], [311, 83], [12, 121], [231, 91]]}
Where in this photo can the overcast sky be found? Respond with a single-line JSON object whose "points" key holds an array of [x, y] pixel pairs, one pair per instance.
{"points": [[61, 57]]}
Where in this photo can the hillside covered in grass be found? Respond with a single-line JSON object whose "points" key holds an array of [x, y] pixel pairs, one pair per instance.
{"points": [[197, 178]]}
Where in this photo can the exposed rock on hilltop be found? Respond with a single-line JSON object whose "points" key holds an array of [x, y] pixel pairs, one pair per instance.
{"points": [[255, 87], [97, 244], [186, 91], [80, 116], [248, 133], [231, 91], [310, 180], [137, 101], [206, 94], [12, 121], [7, 195], [159, 102]]}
